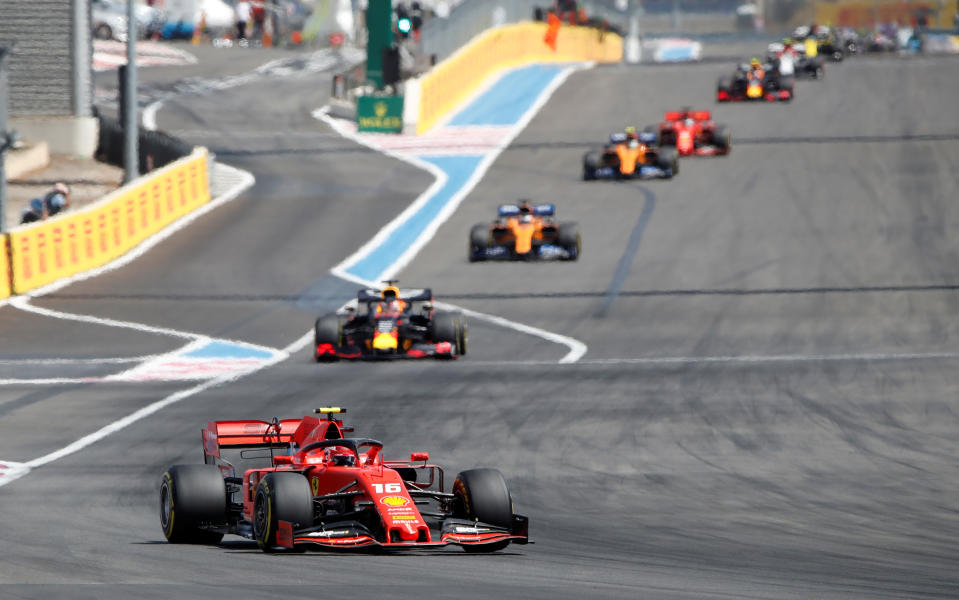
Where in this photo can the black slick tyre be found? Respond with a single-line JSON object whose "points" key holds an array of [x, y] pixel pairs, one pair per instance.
{"points": [[479, 242], [462, 335], [721, 138], [483, 495], [570, 239], [668, 158], [192, 496], [591, 162], [280, 497], [445, 328], [327, 330]]}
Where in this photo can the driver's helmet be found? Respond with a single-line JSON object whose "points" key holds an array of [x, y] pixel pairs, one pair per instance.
{"points": [[755, 64], [390, 293], [526, 218], [339, 457], [690, 121], [631, 133]]}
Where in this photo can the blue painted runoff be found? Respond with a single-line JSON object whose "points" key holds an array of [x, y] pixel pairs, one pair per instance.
{"points": [[504, 103], [218, 349], [458, 170], [508, 99]]}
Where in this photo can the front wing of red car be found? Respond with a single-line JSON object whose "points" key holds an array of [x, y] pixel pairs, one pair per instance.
{"points": [[354, 535]]}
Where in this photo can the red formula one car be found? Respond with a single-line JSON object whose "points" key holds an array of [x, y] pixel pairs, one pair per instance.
{"points": [[390, 324], [297, 483], [693, 132]]}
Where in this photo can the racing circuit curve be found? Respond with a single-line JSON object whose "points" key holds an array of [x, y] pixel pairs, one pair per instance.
{"points": [[830, 476]]}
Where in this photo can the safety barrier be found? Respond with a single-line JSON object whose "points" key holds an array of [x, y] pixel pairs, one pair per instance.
{"points": [[4, 269], [457, 77], [78, 241]]}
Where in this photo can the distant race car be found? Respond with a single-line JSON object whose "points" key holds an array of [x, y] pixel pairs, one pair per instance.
{"points": [[791, 60], [390, 324], [524, 231], [299, 483], [693, 132], [746, 84], [629, 156]]}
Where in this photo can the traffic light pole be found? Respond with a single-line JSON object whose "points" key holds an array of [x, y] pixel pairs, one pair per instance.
{"points": [[379, 27]]}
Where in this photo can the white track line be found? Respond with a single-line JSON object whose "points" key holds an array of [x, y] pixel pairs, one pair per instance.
{"points": [[576, 348], [76, 361]]}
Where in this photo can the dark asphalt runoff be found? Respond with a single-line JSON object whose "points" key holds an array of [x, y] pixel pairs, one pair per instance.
{"points": [[768, 409]]}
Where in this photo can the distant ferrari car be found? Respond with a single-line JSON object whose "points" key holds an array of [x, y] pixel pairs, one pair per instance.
{"points": [[524, 231], [299, 483], [390, 324], [748, 84], [693, 132], [631, 156]]}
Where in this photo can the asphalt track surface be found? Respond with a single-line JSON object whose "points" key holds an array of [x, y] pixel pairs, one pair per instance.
{"points": [[768, 407]]}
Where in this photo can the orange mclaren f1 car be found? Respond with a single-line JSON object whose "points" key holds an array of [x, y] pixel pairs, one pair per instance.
{"points": [[524, 231], [300, 483], [629, 155]]}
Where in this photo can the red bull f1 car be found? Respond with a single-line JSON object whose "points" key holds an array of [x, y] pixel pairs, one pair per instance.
{"points": [[693, 132], [390, 324], [301, 483], [524, 231], [759, 84], [629, 155]]}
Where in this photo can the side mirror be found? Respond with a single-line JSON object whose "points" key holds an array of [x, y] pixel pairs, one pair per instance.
{"points": [[419, 456], [282, 460], [427, 307]]}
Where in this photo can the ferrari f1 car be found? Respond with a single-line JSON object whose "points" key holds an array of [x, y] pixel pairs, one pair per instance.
{"points": [[524, 231], [628, 156], [692, 132], [390, 324], [759, 84], [299, 483]]}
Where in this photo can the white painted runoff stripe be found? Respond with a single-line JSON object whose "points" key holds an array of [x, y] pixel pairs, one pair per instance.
{"points": [[76, 361], [576, 348], [744, 359]]}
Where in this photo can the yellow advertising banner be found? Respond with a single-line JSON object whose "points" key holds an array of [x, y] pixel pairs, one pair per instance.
{"points": [[4, 268], [75, 242], [454, 79]]}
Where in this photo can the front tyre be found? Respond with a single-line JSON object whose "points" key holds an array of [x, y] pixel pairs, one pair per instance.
{"points": [[280, 497], [668, 159], [327, 330], [483, 495], [479, 242], [570, 240], [190, 497]]}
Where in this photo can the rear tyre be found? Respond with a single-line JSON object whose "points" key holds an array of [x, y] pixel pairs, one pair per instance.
{"points": [[668, 158], [479, 242], [280, 497], [327, 330], [483, 495], [191, 496], [570, 239], [591, 162]]}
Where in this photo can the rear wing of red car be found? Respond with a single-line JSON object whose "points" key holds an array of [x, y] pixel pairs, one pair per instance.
{"points": [[699, 115], [253, 444]]}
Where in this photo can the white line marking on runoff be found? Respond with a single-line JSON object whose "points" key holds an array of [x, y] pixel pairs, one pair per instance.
{"points": [[576, 348]]}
